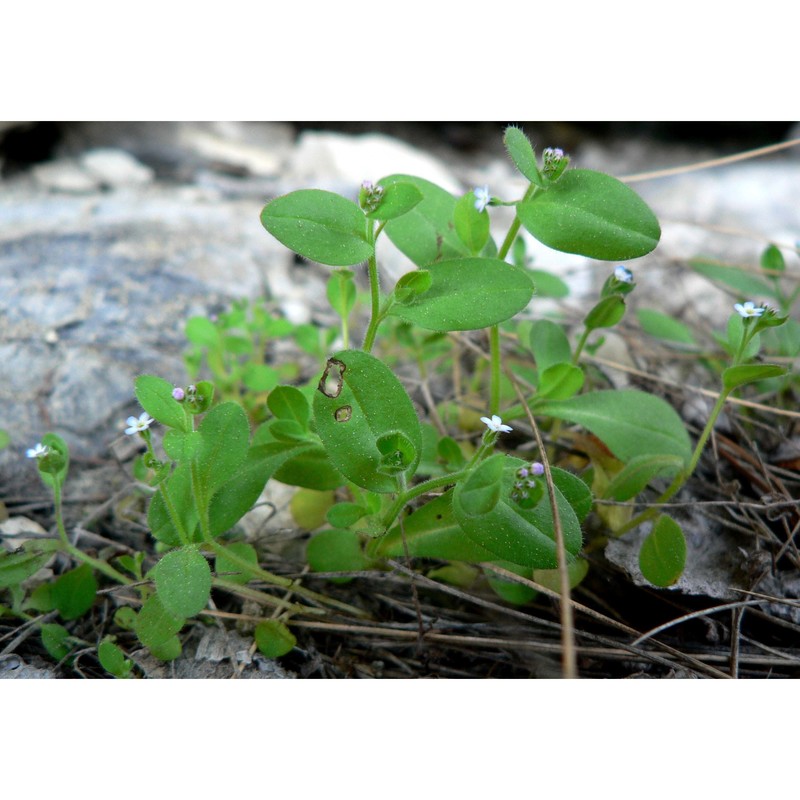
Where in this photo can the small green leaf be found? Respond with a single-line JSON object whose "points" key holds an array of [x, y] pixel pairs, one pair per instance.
{"points": [[591, 214], [551, 578], [183, 582], [560, 381], [663, 554], [638, 472], [273, 638], [53, 467], [55, 639], [229, 570], [468, 294], [113, 660], [742, 282], [336, 550], [426, 234], [772, 259], [521, 152], [260, 377], [309, 507], [288, 402], [607, 313], [662, 326], [5, 439], [472, 226], [515, 593], [733, 377], [74, 592], [202, 331], [321, 226], [155, 397], [431, 532], [343, 515], [17, 567], [549, 344], [341, 291], [547, 284], [412, 284]]}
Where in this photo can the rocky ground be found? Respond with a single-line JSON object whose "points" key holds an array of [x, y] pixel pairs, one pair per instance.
{"points": [[109, 245]]}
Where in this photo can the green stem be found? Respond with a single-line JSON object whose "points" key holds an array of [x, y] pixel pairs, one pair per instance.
{"points": [[415, 491], [579, 347], [100, 566], [680, 479], [494, 331], [277, 580], [375, 294]]}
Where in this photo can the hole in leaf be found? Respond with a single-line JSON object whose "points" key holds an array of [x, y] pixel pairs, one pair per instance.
{"points": [[330, 384], [343, 413]]}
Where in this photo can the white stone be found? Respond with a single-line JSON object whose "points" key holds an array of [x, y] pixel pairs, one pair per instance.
{"points": [[116, 168], [340, 162], [64, 175]]}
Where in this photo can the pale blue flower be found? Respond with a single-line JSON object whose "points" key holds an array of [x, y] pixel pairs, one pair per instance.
{"points": [[749, 309], [138, 425], [495, 424], [178, 393], [39, 451], [482, 198], [622, 274]]}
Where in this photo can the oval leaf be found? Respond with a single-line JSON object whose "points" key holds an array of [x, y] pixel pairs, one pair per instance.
{"points": [[224, 438], [663, 554], [359, 401], [273, 638], [591, 214], [426, 233], [521, 152], [521, 535], [750, 373], [155, 397], [631, 423], [322, 226], [183, 582], [468, 294], [638, 472]]}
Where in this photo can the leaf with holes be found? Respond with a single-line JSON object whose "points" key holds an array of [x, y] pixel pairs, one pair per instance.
{"points": [[359, 406]]}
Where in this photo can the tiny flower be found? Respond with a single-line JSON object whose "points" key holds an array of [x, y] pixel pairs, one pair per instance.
{"points": [[138, 425], [623, 274], [178, 393], [749, 309], [495, 424], [482, 197], [523, 472], [39, 451], [537, 468]]}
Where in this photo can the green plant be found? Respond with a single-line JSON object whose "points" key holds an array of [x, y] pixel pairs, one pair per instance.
{"points": [[387, 481]]}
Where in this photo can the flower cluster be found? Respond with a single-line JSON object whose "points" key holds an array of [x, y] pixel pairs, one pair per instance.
{"points": [[527, 491], [554, 162], [370, 196]]}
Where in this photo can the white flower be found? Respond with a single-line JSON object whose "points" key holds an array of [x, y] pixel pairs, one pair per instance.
{"points": [[39, 451], [138, 425], [496, 424], [749, 309], [482, 197], [623, 274]]}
